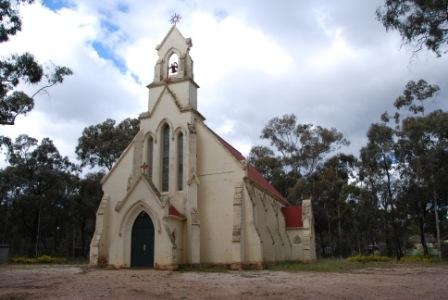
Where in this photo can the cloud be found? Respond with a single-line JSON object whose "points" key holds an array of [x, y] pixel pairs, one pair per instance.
{"points": [[330, 63]]}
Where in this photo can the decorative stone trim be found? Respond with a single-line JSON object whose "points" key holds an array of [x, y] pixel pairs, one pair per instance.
{"points": [[251, 193], [150, 185], [194, 178], [97, 236], [237, 201], [164, 200], [270, 234], [194, 216], [191, 128], [176, 101]]}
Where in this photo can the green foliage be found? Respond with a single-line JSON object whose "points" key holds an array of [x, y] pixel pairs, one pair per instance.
{"points": [[10, 22], [414, 95], [302, 147], [325, 265], [21, 69], [44, 206], [43, 259], [100, 145], [420, 23], [369, 258], [335, 200], [418, 259], [298, 149]]}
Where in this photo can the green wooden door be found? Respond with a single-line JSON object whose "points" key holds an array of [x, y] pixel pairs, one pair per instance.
{"points": [[142, 246]]}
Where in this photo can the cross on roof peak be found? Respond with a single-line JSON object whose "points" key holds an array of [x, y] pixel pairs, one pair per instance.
{"points": [[175, 19]]}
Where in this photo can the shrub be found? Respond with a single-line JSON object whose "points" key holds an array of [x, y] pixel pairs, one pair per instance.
{"points": [[43, 259], [417, 259], [370, 258]]}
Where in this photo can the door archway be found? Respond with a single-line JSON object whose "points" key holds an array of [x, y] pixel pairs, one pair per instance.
{"points": [[142, 243]]}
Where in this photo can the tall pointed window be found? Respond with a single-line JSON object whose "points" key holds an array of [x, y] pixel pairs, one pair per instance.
{"points": [[180, 160], [149, 155], [165, 157]]}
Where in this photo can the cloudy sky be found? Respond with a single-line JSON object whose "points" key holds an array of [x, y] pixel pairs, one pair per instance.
{"points": [[329, 62]]}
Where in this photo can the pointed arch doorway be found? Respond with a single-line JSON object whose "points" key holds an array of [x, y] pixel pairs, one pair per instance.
{"points": [[142, 244]]}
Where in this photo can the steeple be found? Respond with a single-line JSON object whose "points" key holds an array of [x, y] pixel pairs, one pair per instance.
{"points": [[174, 61]]}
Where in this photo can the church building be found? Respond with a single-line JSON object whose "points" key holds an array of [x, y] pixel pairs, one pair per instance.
{"points": [[180, 194]]}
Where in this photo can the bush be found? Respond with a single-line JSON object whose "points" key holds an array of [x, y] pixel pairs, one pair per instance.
{"points": [[417, 259], [371, 258], [43, 259]]}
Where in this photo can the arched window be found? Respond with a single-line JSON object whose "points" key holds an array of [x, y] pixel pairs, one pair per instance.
{"points": [[165, 157], [149, 155], [173, 65], [180, 160]]}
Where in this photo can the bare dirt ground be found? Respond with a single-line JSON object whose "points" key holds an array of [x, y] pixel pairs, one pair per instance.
{"points": [[79, 282]]}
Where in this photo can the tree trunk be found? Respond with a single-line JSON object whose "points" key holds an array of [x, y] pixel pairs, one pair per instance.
{"points": [[36, 247], [83, 239], [329, 232], [421, 228], [436, 213], [398, 250], [339, 232], [387, 234]]}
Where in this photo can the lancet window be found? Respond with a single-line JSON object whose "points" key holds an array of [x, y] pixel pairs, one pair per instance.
{"points": [[165, 157], [180, 160], [149, 155]]}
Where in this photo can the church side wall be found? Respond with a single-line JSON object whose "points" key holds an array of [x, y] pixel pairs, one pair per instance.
{"points": [[270, 225], [115, 184], [115, 188], [218, 174], [252, 241]]}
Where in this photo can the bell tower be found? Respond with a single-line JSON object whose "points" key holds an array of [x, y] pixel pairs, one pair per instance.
{"points": [[174, 68], [172, 106]]}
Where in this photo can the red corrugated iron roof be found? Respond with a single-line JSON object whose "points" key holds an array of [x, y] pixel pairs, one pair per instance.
{"points": [[293, 216], [252, 172], [259, 179]]}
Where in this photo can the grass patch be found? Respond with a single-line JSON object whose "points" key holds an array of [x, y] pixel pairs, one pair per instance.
{"points": [[43, 259], [353, 263], [369, 258], [327, 265], [420, 259]]}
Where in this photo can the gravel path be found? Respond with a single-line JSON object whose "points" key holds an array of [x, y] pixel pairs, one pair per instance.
{"points": [[79, 282]]}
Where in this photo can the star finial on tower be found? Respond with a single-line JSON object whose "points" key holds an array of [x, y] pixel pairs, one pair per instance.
{"points": [[175, 19]]}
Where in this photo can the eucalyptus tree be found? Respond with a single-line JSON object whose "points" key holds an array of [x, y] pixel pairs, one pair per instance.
{"points": [[102, 144], [421, 23], [423, 151], [331, 187], [296, 151], [379, 170], [21, 69], [36, 187]]}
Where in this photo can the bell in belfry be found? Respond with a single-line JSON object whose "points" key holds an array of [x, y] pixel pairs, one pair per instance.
{"points": [[174, 66]]}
